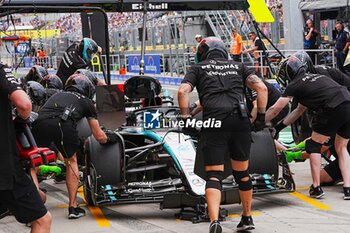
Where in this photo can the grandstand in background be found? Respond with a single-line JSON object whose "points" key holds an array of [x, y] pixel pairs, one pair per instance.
{"points": [[169, 34]]}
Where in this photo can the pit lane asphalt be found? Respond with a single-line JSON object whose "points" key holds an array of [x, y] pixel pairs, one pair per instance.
{"points": [[279, 212]]}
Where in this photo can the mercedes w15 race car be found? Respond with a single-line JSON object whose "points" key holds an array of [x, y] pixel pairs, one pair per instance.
{"points": [[161, 164], [154, 162]]}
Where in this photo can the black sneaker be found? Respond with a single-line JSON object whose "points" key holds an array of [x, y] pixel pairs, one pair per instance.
{"points": [[246, 224], [215, 227], [75, 213], [4, 212], [316, 192], [346, 193]]}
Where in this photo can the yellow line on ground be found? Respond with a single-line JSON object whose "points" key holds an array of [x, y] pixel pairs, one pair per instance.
{"points": [[65, 206], [235, 215], [303, 188], [310, 201], [96, 213]]}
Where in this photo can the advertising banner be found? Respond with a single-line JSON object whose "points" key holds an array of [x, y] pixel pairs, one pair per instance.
{"points": [[152, 64]]}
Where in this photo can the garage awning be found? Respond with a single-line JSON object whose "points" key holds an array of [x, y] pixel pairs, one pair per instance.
{"points": [[323, 4]]}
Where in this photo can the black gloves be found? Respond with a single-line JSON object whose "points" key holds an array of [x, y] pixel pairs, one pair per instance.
{"points": [[20, 121], [188, 129], [111, 138], [259, 123], [278, 129], [192, 107]]}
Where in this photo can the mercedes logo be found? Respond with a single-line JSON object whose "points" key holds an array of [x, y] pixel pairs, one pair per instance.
{"points": [[198, 182]]}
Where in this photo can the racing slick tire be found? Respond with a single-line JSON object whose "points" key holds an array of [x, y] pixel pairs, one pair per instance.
{"points": [[263, 156], [104, 166], [301, 128], [89, 185]]}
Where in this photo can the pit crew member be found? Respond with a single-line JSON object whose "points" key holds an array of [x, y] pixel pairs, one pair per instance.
{"points": [[91, 76], [330, 101], [77, 56], [57, 123], [52, 84], [36, 73], [17, 192], [220, 85]]}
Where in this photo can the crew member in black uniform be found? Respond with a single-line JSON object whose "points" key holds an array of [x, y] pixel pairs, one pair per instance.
{"points": [[331, 102], [17, 192], [57, 123], [52, 84], [273, 95], [52, 81], [330, 72], [220, 85], [333, 73], [36, 93], [331, 173], [36, 73], [77, 56], [91, 76]]}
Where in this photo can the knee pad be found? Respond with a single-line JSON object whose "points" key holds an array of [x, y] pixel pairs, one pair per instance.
{"points": [[312, 147], [214, 179], [243, 185]]}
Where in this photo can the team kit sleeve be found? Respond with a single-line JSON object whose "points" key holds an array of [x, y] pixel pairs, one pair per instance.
{"points": [[339, 77], [78, 62], [8, 81], [90, 109], [289, 91], [246, 71], [191, 76]]}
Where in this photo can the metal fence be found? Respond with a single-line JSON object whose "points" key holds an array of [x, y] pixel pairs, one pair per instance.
{"points": [[49, 62], [322, 57], [174, 65]]}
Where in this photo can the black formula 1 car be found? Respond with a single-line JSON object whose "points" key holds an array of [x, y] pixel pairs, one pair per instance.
{"points": [[155, 162]]}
